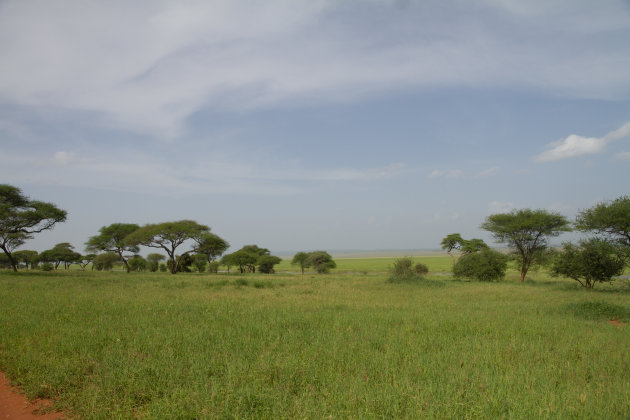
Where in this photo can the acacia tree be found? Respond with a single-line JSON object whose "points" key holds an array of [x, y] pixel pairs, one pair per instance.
{"points": [[61, 253], [610, 219], [21, 217], [112, 239], [593, 260], [211, 245], [168, 236], [454, 241], [526, 232], [153, 261], [321, 261], [28, 257], [301, 259], [246, 258]]}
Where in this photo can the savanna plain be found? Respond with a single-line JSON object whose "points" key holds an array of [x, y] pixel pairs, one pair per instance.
{"points": [[347, 344]]}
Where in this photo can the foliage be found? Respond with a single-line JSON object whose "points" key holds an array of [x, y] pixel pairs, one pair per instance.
{"points": [[200, 261], [47, 266], [112, 239], [153, 261], [321, 261], [485, 265], [611, 219], [61, 253], [526, 232], [163, 268], [300, 259], [184, 262], [455, 242], [137, 263], [593, 260], [168, 236], [105, 261], [26, 257], [21, 217], [421, 269], [245, 258], [213, 267], [84, 260], [265, 263], [211, 245]]}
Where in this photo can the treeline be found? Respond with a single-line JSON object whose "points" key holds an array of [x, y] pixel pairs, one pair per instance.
{"points": [[599, 257], [119, 243]]}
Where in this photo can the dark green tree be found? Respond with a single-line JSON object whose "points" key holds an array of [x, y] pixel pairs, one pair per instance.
{"points": [[593, 260], [484, 265], [112, 239], [526, 232], [26, 257], [211, 245], [153, 261], [321, 261], [61, 253], [610, 219], [21, 218], [85, 260], [105, 261], [168, 236], [300, 259], [137, 263], [455, 242], [200, 261], [266, 263]]}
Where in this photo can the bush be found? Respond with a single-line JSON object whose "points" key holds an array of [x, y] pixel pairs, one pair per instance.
{"points": [[421, 269], [486, 265], [163, 267], [593, 260], [403, 270], [213, 267], [47, 266]]}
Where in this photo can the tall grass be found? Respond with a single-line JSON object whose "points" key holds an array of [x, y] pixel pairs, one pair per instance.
{"points": [[112, 345]]}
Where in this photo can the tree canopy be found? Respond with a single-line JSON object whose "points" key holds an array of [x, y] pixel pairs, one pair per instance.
{"points": [[321, 261], [168, 236], [112, 239], [21, 217], [301, 259], [611, 219], [526, 232], [454, 241], [211, 245]]}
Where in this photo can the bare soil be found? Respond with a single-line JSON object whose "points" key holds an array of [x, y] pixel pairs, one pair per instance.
{"points": [[15, 406]]}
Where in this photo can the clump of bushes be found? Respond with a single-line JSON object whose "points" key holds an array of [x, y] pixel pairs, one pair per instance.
{"points": [[485, 265], [213, 267], [403, 270]]}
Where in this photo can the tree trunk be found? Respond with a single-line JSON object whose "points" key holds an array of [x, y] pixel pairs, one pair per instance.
{"points": [[11, 260], [523, 273], [124, 261]]}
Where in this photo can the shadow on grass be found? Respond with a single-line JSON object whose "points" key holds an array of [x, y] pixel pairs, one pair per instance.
{"points": [[594, 310]]}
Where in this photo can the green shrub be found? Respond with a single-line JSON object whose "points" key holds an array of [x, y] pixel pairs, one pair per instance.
{"points": [[421, 269], [403, 271], [485, 265], [47, 266], [213, 267]]}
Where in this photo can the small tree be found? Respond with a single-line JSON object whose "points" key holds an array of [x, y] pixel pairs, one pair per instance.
{"points": [[611, 219], [526, 232], [421, 269], [137, 263], [27, 257], [168, 236], [245, 258], [593, 260], [301, 259], [266, 262], [85, 260], [105, 262], [485, 265], [153, 261], [321, 261], [200, 261], [213, 267], [112, 239], [61, 253], [211, 245], [455, 242], [21, 218]]}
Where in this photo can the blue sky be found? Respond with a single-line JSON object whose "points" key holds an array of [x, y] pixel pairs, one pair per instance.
{"points": [[314, 125]]}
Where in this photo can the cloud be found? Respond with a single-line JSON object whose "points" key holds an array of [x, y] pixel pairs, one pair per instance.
{"points": [[448, 174], [147, 66], [575, 145], [623, 155], [488, 172], [500, 207]]}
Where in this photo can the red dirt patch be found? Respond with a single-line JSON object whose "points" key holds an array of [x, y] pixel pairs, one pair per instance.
{"points": [[15, 406], [616, 322]]}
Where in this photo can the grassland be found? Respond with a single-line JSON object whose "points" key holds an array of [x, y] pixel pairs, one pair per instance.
{"points": [[343, 345]]}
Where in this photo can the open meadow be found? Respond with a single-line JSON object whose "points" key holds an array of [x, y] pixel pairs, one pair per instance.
{"points": [[341, 345]]}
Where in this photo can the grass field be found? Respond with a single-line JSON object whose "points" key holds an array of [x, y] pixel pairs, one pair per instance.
{"points": [[343, 345]]}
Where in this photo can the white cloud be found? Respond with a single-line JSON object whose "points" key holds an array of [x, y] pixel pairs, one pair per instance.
{"points": [[500, 207], [489, 172], [149, 65], [623, 155], [575, 145], [448, 174]]}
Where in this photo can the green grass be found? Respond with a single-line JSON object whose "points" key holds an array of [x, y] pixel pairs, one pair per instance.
{"points": [[436, 263], [112, 345]]}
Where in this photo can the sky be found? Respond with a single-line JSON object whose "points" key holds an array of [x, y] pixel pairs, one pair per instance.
{"points": [[320, 124]]}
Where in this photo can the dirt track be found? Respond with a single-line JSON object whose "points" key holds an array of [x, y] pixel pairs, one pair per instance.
{"points": [[15, 406]]}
